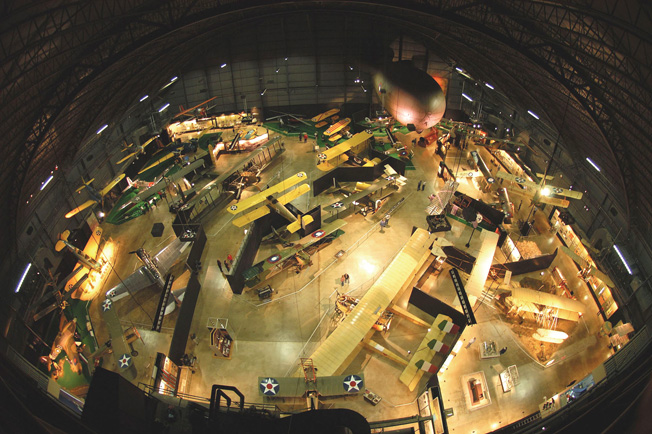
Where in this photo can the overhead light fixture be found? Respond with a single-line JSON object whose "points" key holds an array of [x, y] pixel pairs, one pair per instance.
{"points": [[223, 65], [172, 80], [285, 58], [595, 166], [104, 127], [25, 275], [459, 69], [263, 92], [534, 115], [143, 98], [277, 70], [164, 107], [545, 191], [47, 181], [363, 89], [467, 97], [100, 214], [622, 258], [350, 67], [489, 86]]}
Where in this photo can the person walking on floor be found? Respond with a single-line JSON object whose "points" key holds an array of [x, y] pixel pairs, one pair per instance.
{"points": [[346, 278], [502, 351], [219, 264], [342, 280], [230, 259], [419, 186], [470, 343], [228, 267]]}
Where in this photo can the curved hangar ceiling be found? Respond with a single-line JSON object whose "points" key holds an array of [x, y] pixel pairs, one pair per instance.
{"points": [[582, 65]]}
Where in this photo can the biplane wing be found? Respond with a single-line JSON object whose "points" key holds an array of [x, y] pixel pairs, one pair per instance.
{"points": [[320, 117], [262, 196], [536, 187], [584, 264], [352, 199], [264, 210], [299, 223], [81, 207], [469, 174], [93, 243], [337, 127], [555, 201]]}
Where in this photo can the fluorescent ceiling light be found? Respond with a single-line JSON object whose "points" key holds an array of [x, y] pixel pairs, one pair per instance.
{"points": [[458, 69], [595, 166], [144, 98], [223, 65], [467, 97], [164, 107], [23, 278], [173, 79], [622, 258], [263, 92], [489, 86], [534, 115], [104, 127], [47, 181]]}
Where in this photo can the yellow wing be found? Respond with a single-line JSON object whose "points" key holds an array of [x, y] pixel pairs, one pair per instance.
{"points": [[563, 203], [290, 196], [94, 243], [157, 162], [260, 197], [112, 184], [293, 227], [126, 157], [322, 116], [251, 216], [333, 152], [80, 208]]}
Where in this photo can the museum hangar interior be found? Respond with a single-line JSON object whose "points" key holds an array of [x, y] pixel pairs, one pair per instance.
{"points": [[83, 81]]}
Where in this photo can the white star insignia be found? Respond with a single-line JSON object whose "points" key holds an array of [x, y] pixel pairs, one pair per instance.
{"points": [[106, 305], [269, 386], [124, 361], [352, 383]]}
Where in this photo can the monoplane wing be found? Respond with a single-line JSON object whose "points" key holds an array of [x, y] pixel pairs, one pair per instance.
{"points": [[81, 207], [264, 210], [159, 161], [186, 111], [355, 197], [551, 189], [111, 184], [123, 356], [133, 283], [468, 174], [169, 254]]}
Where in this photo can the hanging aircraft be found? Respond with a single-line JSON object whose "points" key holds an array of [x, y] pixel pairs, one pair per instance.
{"points": [[152, 272], [65, 341], [121, 352], [323, 116], [140, 149], [516, 144], [540, 192], [346, 151], [274, 203], [410, 95], [588, 268], [134, 201], [285, 117], [96, 196], [481, 169], [90, 269], [190, 112], [277, 262]]}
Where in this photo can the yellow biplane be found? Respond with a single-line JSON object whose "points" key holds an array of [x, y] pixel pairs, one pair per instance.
{"points": [[540, 192], [273, 202]]}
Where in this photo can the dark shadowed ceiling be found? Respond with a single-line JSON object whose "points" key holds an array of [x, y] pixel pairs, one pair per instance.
{"points": [[583, 65]]}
